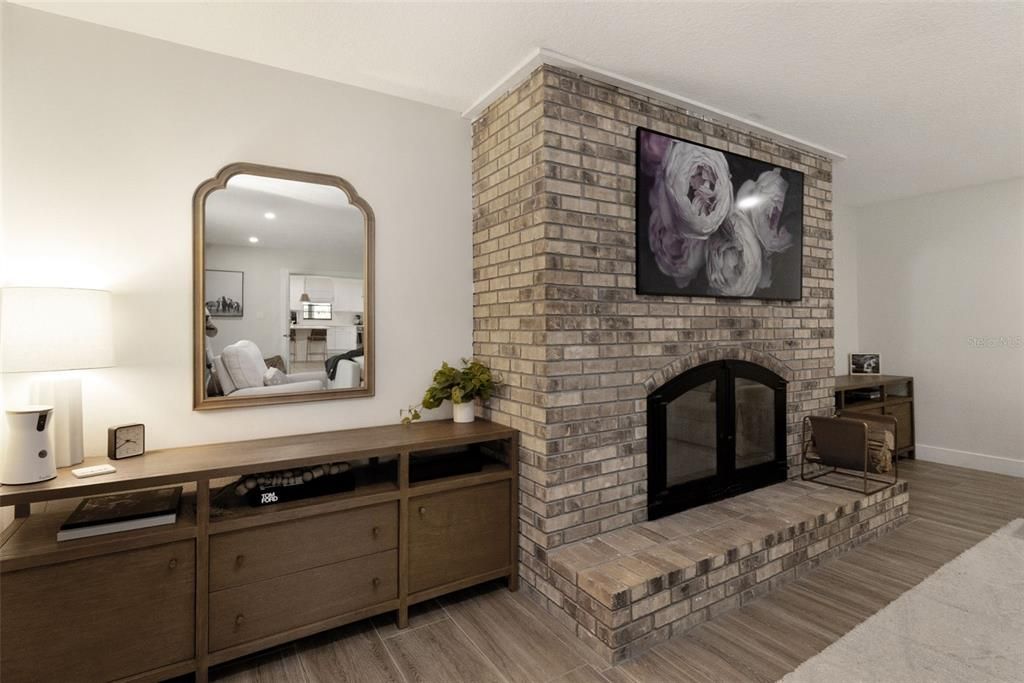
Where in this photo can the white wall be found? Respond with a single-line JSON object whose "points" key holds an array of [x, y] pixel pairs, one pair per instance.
{"points": [[845, 295], [941, 297], [107, 136]]}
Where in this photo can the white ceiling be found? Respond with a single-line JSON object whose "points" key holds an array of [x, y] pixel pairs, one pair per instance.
{"points": [[307, 217], [920, 97]]}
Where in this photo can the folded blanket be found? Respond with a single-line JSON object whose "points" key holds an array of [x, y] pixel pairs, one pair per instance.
{"points": [[881, 445], [331, 364]]}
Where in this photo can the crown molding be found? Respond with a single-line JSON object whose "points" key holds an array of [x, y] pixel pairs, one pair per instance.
{"points": [[513, 78], [539, 56]]}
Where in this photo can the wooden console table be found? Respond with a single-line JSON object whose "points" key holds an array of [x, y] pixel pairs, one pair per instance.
{"points": [[228, 579], [895, 397]]}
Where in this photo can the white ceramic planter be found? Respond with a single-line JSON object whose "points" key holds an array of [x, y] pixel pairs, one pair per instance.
{"points": [[463, 412]]}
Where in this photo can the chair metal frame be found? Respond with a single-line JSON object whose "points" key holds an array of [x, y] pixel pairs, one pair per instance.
{"points": [[849, 418]]}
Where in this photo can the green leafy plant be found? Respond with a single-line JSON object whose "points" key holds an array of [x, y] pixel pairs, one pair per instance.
{"points": [[460, 385]]}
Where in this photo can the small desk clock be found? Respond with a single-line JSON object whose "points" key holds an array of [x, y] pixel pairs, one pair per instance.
{"points": [[126, 441]]}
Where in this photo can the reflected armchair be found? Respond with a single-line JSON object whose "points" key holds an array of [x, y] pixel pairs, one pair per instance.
{"points": [[240, 370]]}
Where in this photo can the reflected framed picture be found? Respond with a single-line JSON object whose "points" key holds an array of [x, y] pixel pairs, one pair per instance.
{"points": [[225, 293], [865, 364], [714, 223]]}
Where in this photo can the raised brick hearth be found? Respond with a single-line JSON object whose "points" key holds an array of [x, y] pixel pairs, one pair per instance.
{"points": [[628, 589], [557, 314]]}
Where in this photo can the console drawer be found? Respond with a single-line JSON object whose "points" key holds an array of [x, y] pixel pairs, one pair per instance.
{"points": [[244, 613], [241, 557]]}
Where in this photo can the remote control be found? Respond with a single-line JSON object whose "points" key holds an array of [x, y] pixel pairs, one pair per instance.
{"points": [[83, 472]]}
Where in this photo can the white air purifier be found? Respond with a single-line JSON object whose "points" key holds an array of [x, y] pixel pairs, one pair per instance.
{"points": [[28, 455]]}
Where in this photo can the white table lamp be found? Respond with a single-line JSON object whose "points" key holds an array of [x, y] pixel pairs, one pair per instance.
{"points": [[49, 329]]}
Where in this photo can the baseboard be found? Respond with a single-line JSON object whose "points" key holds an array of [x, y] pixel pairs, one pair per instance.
{"points": [[974, 461]]}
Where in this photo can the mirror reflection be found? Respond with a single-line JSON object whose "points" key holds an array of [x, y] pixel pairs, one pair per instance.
{"points": [[283, 289]]}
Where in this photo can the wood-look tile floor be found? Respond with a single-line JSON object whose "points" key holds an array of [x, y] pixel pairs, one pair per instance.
{"points": [[490, 634]]}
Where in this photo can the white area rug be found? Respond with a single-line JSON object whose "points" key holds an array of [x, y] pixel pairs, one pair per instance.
{"points": [[965, 622]]}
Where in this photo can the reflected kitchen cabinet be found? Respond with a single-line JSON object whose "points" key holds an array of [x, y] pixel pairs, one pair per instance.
{"points": [[296, 288], [319, 289], [348, 295], [341, 338], [344, 294]]}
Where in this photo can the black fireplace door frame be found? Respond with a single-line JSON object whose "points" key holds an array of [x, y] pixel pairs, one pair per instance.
{"points": [[727, 481]]}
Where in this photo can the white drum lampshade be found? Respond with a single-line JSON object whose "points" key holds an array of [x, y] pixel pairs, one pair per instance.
{"points": [[48, 329]]}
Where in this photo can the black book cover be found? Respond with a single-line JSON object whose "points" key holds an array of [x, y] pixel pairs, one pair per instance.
{"points": [[121, 507]]}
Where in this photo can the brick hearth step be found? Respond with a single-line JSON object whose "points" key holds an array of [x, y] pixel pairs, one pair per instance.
{"points": [[636, 586]]}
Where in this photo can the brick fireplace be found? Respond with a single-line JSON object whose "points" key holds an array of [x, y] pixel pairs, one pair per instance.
{"points": [[556, 313]]}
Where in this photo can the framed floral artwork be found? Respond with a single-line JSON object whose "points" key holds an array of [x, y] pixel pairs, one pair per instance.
{"points": [[714, 223]]}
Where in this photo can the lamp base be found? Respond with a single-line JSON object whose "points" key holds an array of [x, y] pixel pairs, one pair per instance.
{"points": [[65, 395]]}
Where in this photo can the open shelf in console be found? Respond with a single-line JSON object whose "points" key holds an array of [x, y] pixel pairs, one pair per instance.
{"points": [[32, 541], [435, 464], [374, 480], [441, 469], [877, 403]]}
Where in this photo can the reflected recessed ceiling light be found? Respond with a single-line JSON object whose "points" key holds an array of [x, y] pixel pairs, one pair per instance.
{"points": [[748, 202], [270, 215], [254, 240]]}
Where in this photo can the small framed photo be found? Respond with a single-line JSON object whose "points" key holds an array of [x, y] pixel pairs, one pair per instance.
{"points": [[225, 290], [865, 364]]}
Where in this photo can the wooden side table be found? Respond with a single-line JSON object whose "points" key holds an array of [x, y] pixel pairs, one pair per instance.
{"points": [[881, 395]]}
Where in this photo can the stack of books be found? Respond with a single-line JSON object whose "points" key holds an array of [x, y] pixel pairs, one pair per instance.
{"points": [[121, 512]]}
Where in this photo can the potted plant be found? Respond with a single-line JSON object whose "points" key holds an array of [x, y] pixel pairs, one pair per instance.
{"points": [[462, 386]]}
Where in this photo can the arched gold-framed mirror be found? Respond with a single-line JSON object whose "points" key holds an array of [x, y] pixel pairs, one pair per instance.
{"points": [[283, 307]]}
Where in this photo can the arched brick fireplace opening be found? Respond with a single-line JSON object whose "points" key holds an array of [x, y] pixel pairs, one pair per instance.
{"points": [[714, 431]]}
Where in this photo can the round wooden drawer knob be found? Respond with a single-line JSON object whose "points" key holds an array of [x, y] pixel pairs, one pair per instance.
{"points": [[173, 563], [376, 582], [239, 561], [375, 532], [239, 620], [423, 511]]}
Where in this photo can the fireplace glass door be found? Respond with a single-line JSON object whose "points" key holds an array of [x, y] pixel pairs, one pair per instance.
{"points": [[755, 423], [692, 433], [714, 431]]}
